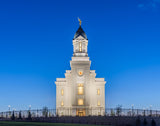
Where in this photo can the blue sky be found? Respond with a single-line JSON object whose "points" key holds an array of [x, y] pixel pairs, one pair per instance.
{"points": [[36, 47]]}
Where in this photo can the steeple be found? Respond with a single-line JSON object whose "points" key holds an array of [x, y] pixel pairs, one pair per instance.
{"points": [[80, 42], [80, 31]]}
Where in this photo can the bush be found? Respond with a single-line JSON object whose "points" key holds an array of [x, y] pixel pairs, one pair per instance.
{"points": [[45, 112], [29, 115], [118, 110], [20, 116], [145, 122], [138, 122], [153, 123]]}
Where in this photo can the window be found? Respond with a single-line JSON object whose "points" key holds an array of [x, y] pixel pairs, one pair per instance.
{"points": [[80, 89], [98, 103], [62, 104], [98, 92], [80, 46], [80, 101], [62, 92]]}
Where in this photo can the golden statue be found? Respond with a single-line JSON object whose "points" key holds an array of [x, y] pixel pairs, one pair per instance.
{"points": [[79, 21]]}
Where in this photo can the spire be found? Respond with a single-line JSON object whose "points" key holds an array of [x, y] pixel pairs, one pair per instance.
{"points": [[80, 31]]}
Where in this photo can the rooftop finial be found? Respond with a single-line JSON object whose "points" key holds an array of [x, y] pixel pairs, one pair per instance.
{"points": [[79, 21]]}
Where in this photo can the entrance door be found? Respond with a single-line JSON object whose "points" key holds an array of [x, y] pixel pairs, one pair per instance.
{"points": [[81, 112]]}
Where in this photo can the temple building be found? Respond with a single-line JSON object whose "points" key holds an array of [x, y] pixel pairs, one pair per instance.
{"points": [[80, 93]]}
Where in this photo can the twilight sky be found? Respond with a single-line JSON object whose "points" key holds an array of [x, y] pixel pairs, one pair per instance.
{"points": [[36, 48]]}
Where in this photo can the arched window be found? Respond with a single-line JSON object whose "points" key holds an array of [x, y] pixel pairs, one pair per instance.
{"points": [[80, 89], [98, 91], [62, 104], [80, 102], [62, 92], [80, 47], [98, 104]]}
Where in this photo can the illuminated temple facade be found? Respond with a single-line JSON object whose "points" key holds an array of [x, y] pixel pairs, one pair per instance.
{"points": [[80, 93]]}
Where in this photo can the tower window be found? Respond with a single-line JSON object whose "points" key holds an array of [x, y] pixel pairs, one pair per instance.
{"points": [[98, 92], [80, 101], [98, 104], [62, 104], [80, 89], [62, 92], [80, 46]]}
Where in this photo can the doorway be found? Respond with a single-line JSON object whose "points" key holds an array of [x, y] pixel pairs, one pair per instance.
{"points": [[80, 112]]}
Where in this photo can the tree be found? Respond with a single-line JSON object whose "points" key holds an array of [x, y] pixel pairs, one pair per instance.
{"points": [[20, 116], [45, 111], [145, 122], [153, 123], [29, 115], [13, 116], [138, 122], [112, 112], [118, 110]]}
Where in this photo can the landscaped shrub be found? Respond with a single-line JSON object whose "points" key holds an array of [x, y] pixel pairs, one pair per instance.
{"points": [[29, 115], [13, 116], [138, 122], [45, 112], [112, 112], [153, 123], [145, 122], [20, 116], [118, 110]]}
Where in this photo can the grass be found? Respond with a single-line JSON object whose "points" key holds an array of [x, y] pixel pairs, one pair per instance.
{"points": [[39, 124]]}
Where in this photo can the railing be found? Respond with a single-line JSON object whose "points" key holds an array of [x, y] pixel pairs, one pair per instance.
{"points": [[53, 113]]}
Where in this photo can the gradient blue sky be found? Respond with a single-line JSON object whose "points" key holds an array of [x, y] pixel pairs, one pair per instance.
{"points": [[36, 47]]}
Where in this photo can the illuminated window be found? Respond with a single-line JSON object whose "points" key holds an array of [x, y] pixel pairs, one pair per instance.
{"points": [[80, 46], [80, 89], [62, 92], [80, 101], [98, 103], [98, 92], [62, 104]]}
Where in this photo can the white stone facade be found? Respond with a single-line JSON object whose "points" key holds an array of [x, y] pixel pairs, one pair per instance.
{"points": [[80, 93]]}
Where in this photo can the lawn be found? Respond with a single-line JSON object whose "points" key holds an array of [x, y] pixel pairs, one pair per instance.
{"points": [[39, 124]]}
